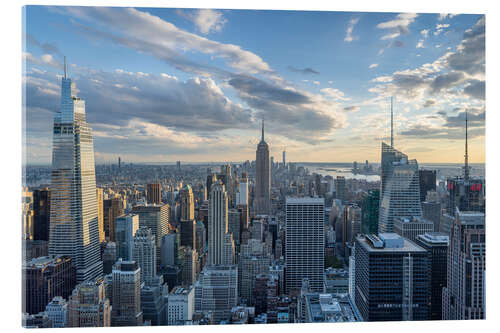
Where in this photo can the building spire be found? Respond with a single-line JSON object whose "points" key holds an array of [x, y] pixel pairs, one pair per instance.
{"points": [[466, 167], [392, 126], [65, 68], [262, 128]]}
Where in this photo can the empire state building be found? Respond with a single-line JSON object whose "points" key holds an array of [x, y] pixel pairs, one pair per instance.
{"points": [[262, 199]]}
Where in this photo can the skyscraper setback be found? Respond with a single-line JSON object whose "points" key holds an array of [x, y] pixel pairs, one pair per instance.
{"points": [[74, 228], [262, 199]]}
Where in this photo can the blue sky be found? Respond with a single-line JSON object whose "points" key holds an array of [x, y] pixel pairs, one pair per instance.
{"points": [[193, 85]]}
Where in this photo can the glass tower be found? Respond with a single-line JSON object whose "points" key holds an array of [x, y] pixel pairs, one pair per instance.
{"points": [[74, 228], [400, 188]]}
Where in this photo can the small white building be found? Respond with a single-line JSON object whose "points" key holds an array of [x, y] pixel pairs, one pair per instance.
{"points": [[180, 305]]}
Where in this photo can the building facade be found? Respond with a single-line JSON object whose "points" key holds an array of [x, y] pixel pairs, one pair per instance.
{"points": [[305, 241], [391, 278], [74, 225], [464, 295]]}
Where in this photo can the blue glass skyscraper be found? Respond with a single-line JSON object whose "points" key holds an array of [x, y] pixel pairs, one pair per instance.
{"points": [[74, 229]]}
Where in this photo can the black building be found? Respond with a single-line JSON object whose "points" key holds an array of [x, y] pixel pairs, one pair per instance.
{"points": [[436, 245], [391, 278], [466, 195], [369, 212], [41, 210], [427, 180], [45, 278]]}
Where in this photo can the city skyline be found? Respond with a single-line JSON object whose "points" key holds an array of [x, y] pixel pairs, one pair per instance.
{"points": [[219, 83]]}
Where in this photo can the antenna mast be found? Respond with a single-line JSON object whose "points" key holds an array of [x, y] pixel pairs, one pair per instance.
{"points": [[65, 68], [466, 167], [392, 126]]}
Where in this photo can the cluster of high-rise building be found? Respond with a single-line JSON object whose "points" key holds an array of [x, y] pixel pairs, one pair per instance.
{"points": [[256, 242]]}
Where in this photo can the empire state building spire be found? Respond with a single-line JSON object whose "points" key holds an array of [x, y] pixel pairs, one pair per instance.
{"points": [[262, 129]]}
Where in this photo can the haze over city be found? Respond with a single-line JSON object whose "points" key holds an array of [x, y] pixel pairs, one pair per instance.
{"points": [[163, 85]]}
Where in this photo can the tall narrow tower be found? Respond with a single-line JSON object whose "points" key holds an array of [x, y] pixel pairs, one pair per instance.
{"points": [[466, 156], [392, 126], [74, 226], [217, 223], [262, 199]]}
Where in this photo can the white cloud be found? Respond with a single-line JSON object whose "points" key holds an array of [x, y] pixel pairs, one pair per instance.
{"points": [[444, 16], [373, 66], [348, 34], [440, 28], [335, 94], [209, 20], [398, 26], [425, 33], [420, 44], [133, 28]]}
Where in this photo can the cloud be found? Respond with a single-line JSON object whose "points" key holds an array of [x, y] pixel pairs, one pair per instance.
{"points": [[353, 108], [398, 26], [207, 20], [424, 33], [445, 16], [334, 94], [429, 102], [446, 81], [448, 76], [348, 34], [420, 44], [44, 60], [476, 89], [132, 28], [306, 70], [47, 48], [373, 66], [440, 28], [470, 54]]}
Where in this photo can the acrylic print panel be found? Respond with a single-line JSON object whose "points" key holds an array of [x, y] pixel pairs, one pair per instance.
{"points": [[205, 166]]}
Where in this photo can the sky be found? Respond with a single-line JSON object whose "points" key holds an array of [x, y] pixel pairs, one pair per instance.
{"points": [[166, 84]]}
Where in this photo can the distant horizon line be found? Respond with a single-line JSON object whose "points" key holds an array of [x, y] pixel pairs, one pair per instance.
{"points": [[241, 162]]}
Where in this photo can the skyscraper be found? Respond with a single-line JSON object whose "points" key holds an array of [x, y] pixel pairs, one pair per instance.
{"points": [[144, 254], [100, 214], [74, 225], [391, 278], [217, 223], [153, 193], [340, 188], [369, 212], [427, 179], [126, 309], [436, 245], [217, 291], [400, 195], [305, 240], [188, 223], [242, 195], [45, 278], [41, 209], [262, 199], [155, 217], [126, 227], [464, 295], [112, 208]]}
